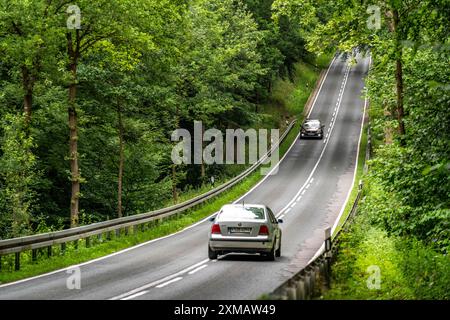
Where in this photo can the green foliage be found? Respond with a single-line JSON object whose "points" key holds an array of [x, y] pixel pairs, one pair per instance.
{"points": [[143, 69], [408, 268], [18, 175]]}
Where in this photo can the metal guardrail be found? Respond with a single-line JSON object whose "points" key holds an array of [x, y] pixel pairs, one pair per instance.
{"points": [[47, 240], [316, 276]]}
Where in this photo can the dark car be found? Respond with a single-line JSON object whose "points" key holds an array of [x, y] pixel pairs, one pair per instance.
{"points": [[312, 129]]}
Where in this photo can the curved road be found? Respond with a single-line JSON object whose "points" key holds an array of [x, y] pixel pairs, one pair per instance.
{"points": [[308, 191]]}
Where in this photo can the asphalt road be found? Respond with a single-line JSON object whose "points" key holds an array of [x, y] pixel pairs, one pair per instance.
{"points": [[308, 191]]}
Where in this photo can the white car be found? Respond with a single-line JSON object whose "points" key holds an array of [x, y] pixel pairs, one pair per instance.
{"points": [[248, 228]]}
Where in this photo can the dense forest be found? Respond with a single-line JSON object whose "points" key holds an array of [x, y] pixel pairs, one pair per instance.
{"points": [[89, 95]]}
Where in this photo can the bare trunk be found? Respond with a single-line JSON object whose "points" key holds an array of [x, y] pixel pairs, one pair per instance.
{"points": [[399, 76], [174, 168], [121, 161], [27, 84], [202, 166], [73, 151], [73, 128]]}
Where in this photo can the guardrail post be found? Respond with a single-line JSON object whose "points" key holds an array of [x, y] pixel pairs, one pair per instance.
{"points": [[63, 248], [75, 244], [317, 280], [17, 261], [33, 255], [0, 263], [323, 275], [301, 289], [88, 242], [49, 251], [307, 287], [312, 280], [292, 293]]}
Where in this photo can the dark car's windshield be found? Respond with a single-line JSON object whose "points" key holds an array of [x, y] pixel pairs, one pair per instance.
{"points": [[312, 124], [246, 213]]}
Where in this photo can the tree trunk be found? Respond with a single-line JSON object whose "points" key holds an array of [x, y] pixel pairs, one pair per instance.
{"points": [[73, 128], [27, 84], [399, 76], [73, 151], [121, 161]]}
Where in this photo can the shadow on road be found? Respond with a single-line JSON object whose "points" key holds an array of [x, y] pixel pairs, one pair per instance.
{"points": [[249, 258]]}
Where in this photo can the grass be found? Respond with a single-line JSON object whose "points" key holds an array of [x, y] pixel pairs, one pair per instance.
{"points": [[408, 269], [294, 94]]}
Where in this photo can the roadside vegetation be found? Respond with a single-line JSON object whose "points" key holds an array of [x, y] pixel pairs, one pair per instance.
{"points": [[402, 227]]}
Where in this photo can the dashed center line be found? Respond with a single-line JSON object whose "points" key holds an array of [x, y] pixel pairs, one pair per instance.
{"points": [[135, 295], [198, 269], [201, 265], [162, 285]]}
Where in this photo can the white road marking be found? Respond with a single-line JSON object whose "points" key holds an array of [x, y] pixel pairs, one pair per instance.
{"points": [[158, 282], [162, 285], [287, 211], [135, 295], [309, 184], [321, 249], [198, 269], [323, 150], [281, 217], [321, 85]]}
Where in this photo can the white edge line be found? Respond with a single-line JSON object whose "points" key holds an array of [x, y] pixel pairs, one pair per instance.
{"points": [[157, 282], [162, 285], [322, 247], [321, 85]]}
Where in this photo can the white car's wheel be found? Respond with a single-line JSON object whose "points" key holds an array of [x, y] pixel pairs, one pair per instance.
{"points": [[278, 251], [212, 254]]}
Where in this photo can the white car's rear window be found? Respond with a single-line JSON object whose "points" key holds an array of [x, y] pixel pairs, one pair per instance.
{"points": [[245, 213]]}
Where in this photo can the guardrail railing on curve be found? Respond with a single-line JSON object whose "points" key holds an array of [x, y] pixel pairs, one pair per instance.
{"points": [[316, 276], [47, 240]]}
